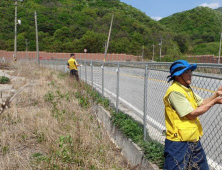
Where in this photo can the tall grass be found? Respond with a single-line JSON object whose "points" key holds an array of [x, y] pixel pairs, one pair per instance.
{"points": [[46, 127]]}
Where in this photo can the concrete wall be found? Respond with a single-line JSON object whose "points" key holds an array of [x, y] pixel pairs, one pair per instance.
{"points": [[129, 149], [8, 55]]}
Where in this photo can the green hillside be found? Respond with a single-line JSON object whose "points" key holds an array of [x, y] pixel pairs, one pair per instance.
{"points": [[219, 9], [72, 25], [200, 25]]}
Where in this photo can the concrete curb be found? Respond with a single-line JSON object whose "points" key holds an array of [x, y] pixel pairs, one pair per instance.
{"points": [[129, 149]]}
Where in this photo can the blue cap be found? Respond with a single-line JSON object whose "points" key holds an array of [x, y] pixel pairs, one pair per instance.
{"points": [[179, 67]]}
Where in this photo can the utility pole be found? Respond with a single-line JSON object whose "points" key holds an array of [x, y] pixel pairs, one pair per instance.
{"points": [[26, 48], [107, 45], [37, 39], [143, 53], [16, 22], [153, 53], [220, 48], [15, 42], [160, 44]]}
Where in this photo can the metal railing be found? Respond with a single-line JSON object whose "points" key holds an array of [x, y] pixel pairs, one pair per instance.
{"points": [[138, 88]]}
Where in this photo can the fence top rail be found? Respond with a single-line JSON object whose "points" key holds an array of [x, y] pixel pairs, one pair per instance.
{"points": [[149, 63], [143, 64]]}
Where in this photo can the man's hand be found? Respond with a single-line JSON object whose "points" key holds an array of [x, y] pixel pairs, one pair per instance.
{"points": [[219, 91], [218, 100]]}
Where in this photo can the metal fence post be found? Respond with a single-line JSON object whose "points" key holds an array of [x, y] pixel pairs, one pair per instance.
{"points": [[117, 89], [65, 68], [85, 73], [103, 79], [145, 103], [92, 72], [80, 72]]}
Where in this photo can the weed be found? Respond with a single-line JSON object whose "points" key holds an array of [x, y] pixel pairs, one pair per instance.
{"points": [[5, 149], [4, 80], [54, 99], [39, 157], [56, 112], [128, 126], [105, 102], [83, 100], [49, 97], [60, 95], [62, 75], [65, 148], [24, 137], [52, 83], [67, 97], [152, 149], [40, 136], [34, 102], [132, 129], [92, 167], [11, 119]]}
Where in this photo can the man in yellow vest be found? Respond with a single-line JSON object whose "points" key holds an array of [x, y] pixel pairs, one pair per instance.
{"points": [[72, 65], [183, 149]]}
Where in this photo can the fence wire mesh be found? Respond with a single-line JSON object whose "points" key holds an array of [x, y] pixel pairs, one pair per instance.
{"points": [[132, 92]]}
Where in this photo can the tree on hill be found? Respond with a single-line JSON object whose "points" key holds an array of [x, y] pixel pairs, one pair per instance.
{"points": [[65, 25], [199, 25], [72, 25]]}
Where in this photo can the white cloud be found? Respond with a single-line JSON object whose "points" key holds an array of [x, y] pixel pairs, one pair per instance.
{"points": [[212, 5], [157, 18]]}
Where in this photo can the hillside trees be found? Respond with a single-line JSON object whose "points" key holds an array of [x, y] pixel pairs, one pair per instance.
{"points": [[196, 30], [93, 42], [199, 23], [72, 25], [207, 49]]}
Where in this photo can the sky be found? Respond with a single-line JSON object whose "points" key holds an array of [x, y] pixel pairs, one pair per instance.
{"points": [[157, 9]]}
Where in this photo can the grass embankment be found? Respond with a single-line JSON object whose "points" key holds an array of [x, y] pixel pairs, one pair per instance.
{"points": [[46, 127], [153, 150]]}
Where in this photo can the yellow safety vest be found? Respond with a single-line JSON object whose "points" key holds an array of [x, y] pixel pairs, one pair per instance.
{"points": [[181, 128], [72, 64]]}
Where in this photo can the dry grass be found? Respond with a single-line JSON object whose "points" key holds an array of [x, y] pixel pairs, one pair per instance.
{"points": [[45, 128]]}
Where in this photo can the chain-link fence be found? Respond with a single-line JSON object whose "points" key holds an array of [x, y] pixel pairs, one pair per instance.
{"points": [[138, 90]]}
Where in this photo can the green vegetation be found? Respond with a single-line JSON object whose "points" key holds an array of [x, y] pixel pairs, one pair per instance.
{"points": [[5, 150], [198, 28], [152, 149], [206, 48], [132, 129], [72, 26], [219, 9], [4, 80]]}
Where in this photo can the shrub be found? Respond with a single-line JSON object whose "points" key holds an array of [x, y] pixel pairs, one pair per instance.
{"points": [[4, 80]]}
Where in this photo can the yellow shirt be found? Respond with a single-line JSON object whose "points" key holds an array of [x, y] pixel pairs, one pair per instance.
{"points": [[180, 103], [72, 64]]}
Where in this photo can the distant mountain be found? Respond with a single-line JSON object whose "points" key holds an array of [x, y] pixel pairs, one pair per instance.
{"points": [[199, 30], [219, 9], [201, 24]]}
